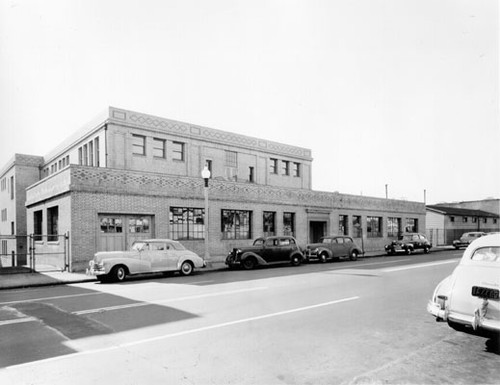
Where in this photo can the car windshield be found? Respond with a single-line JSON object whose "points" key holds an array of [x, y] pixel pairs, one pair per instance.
{"points": [[258, 242], [138, 246], [487, 254]]}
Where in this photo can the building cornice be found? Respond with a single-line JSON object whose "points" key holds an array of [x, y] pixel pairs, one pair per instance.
{"points": [[192, 131]]}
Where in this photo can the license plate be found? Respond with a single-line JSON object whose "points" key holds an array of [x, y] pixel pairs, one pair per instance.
{"points": [[484, 292]]}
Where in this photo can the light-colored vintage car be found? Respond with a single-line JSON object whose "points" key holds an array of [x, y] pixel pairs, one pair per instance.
{"points": [[467, 238], [468, 299], [145, 256]]}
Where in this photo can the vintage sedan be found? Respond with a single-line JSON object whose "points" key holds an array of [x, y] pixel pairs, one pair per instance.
{"points": [[408, 243], [266, 251], [145, 256], [333, 247], [468, 299], [467, 238]]}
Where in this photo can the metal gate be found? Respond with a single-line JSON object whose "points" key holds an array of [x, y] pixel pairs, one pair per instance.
{"points": [[49, 252], [30, 253]]}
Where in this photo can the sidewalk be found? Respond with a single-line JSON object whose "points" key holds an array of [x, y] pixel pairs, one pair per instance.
{"points": [[22, 277], [17, 279]]}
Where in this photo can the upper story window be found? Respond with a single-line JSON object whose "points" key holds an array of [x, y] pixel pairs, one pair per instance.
{"points": [[296, 169], [159, 148], [465, 219], [138, 144], [286, 167], [231, 159], [11, 187], [85, 156], [178, 149], [273, 167], [97, 153], [91, 154]]}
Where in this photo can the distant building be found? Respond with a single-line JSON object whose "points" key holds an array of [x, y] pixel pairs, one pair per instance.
{"points": [[19, 173], [445, 224], [130, 176], [490, 205]]}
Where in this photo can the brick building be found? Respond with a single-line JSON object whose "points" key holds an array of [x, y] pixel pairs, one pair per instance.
{"points": [[129, 175]]}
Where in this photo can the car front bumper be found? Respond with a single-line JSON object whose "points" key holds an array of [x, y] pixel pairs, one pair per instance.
{"points": [[95, 269]]}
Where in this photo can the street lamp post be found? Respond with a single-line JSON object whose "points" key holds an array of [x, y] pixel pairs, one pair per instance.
{"points": [[205, 174]]}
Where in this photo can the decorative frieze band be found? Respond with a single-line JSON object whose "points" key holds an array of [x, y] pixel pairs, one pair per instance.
{"points": [[136, 118]]}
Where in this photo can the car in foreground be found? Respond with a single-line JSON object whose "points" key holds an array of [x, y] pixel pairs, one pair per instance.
{"points": [[408, 243], [468, 299], [467, 238], [266, 251], [145, 256], [332, 247]]}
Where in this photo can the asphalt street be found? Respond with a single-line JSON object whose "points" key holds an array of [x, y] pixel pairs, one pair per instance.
{"points": [[337, 323]]}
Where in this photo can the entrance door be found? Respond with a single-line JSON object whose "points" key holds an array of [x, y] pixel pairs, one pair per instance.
{"points": [[317, 230]]}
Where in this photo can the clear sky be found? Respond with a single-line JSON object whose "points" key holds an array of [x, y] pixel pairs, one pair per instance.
{"points": [[396, 92]]}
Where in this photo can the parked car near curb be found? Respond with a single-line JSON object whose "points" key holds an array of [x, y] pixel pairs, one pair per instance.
{"points": [[145, 256], [408, 243], [468, 299], [266, 251], [332, 247], [467, 238]]}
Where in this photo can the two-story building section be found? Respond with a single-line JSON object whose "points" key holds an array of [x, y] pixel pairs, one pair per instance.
{"points": [[19, 173], [129, 176]]}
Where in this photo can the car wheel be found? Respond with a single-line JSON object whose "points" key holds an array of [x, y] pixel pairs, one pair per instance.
{"points": [[323, 257], [186, 268], [119, 273], [354, 255], [426, 250], [408, 251], [249, 263], [295, 260]]}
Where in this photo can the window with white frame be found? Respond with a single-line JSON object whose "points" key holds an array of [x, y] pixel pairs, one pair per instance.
{"points": [[138, 144], [159, 146], [178, 151]]}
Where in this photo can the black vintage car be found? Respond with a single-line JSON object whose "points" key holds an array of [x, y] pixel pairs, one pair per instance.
{"points": [[266, 251], [333, 247], [408, 243]]}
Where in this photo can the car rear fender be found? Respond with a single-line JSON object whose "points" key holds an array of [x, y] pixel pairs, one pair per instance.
{"points": [[257, 257]]}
